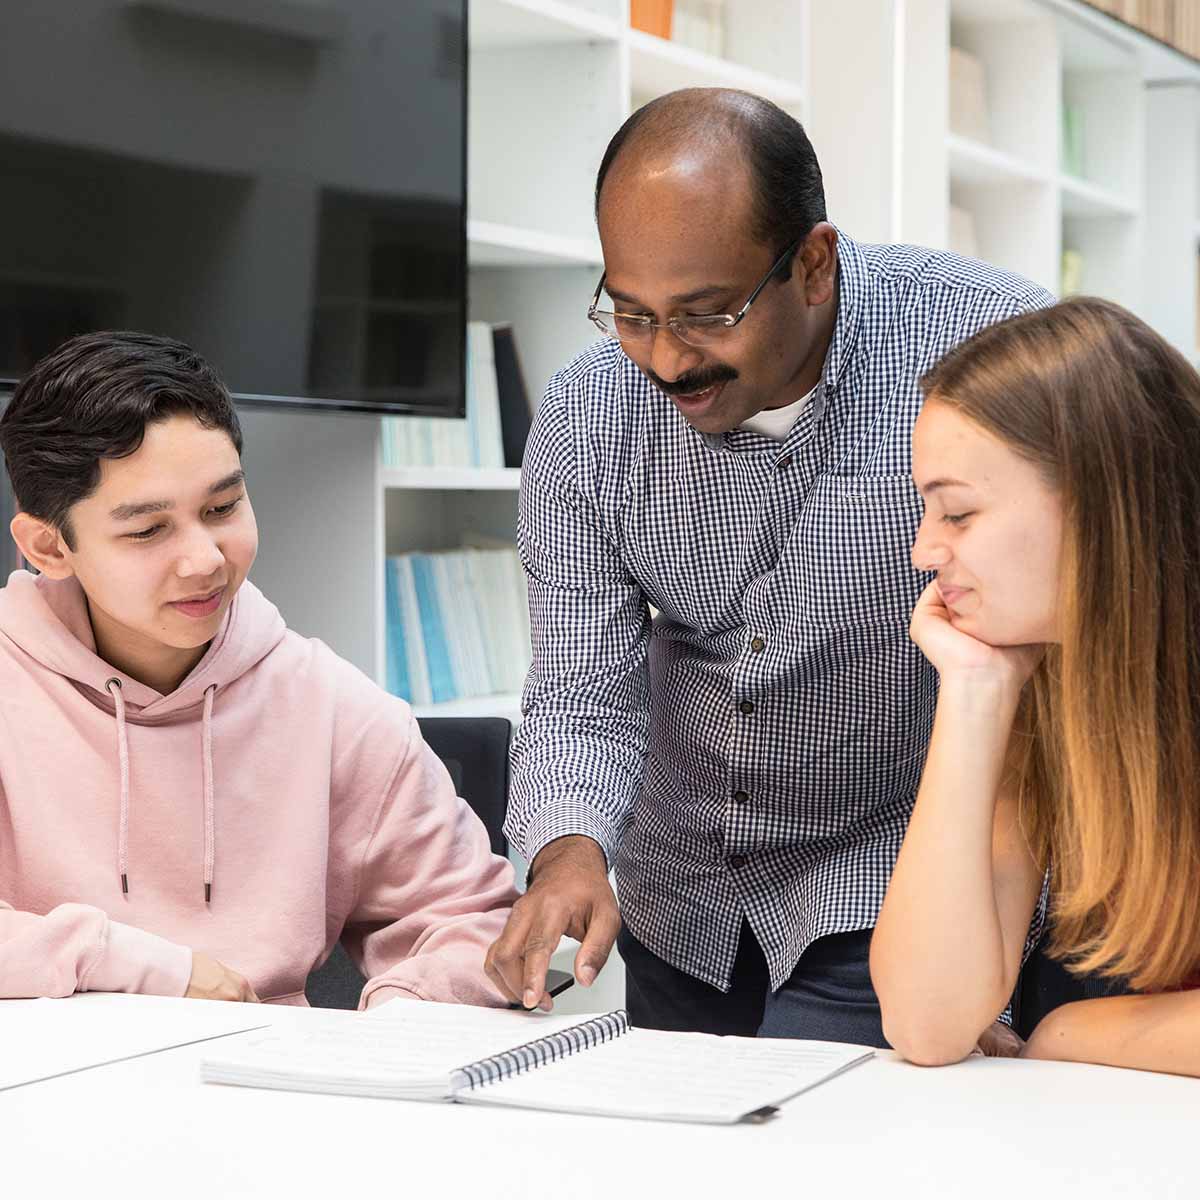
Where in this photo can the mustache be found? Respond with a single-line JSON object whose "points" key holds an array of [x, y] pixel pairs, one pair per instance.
{"points": [[688, 385]]}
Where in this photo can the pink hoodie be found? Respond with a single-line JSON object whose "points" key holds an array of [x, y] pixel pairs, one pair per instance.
{"points": [[276, 800]]}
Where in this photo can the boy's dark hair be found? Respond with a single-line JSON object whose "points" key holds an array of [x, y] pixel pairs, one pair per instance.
{"points": [[92, 399]]}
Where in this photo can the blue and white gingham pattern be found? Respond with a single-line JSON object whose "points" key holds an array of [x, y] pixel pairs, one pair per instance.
{"points": [[727, 781]]}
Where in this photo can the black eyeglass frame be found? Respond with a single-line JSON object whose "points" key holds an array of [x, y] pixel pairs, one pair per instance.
{"points": [[714, 320]]}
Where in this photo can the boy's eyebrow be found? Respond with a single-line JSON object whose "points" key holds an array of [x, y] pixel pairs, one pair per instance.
{"points": [[126, 512]]}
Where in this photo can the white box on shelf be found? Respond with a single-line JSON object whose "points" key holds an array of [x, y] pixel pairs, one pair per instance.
{"points": [[969, 115], [701, 25], [962, 232]]}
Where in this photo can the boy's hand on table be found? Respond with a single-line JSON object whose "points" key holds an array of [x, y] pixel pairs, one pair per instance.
{"points": [[212, 980]]}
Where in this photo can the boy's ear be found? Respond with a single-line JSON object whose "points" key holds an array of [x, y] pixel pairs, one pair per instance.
{"points": [[42, 545]]}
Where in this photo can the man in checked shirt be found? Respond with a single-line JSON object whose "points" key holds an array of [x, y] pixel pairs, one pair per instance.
{"points": [[735, 455]]}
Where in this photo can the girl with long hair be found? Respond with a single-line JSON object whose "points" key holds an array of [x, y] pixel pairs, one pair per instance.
{"points": [[1059, 457]]}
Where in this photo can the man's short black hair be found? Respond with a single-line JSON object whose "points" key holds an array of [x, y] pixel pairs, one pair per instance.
{"points": [[91, 399], [789, 194]]}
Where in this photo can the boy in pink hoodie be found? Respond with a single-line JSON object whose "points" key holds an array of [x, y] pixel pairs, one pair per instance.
{"points": [[194, 800]]}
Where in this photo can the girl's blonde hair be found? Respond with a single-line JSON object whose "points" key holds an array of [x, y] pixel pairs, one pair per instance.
{"points": [[1107, 748]]}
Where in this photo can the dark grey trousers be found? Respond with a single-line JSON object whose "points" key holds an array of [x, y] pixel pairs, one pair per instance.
{"points": [[828, 996]]}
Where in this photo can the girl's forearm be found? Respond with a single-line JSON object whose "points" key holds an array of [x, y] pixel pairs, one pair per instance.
{"points": [[938, 958], [1146, 1033]]}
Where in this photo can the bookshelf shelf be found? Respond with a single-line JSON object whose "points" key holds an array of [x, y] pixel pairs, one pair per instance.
{"points": [[1082, 198], [658, 66], [501, 705], [451, 479], [973, 164], [497, 24], [490, 244]]}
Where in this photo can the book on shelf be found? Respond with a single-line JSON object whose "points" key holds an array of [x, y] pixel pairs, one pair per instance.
{"points": [[652, 16], [969, 114], [1071, 277], [498, 414], [1073, 161], [516, 413], [700, 24], [456, 624], [596, 1065], [483, 399]]}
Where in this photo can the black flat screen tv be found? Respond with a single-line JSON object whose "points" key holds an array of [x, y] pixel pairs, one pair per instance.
{"points": [[280, 183]]}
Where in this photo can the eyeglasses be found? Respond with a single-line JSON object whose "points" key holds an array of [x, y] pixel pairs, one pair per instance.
{"points": [[697, 331]]}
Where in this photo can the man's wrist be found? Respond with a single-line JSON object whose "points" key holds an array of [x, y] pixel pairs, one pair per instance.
{"points": [[579, 846]]}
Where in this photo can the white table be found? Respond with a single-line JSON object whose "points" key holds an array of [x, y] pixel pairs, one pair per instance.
{"points": [[985, 1128]]}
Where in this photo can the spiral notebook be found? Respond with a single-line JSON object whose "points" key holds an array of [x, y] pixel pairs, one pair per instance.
{"points": [[597, 1065]]}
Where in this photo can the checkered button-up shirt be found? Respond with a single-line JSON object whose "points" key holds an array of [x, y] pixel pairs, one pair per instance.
{"points": [[754, 750]]}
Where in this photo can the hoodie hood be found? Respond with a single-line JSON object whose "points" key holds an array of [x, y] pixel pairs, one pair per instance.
{"points": [[48, 619]]}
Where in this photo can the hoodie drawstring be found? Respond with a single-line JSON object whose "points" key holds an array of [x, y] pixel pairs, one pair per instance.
{"points": [[210, 837], [113, 687]]}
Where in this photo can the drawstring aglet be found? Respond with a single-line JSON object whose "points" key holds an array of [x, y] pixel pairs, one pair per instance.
{"points": [[207, 893], [124, 884]]}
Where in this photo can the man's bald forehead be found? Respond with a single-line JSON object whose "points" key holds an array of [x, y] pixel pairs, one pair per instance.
{"points": [[686, 131]]}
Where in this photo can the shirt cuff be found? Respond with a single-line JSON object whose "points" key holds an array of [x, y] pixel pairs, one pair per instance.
{"points": [[556, 820]]}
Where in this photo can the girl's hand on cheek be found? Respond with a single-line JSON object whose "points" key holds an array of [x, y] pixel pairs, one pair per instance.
{"points": [[959, 655]]}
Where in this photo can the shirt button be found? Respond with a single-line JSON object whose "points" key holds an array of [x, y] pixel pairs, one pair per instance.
{"points": [[784, 462], [741, 797], [746, 707], [737, 861], [757, 645]]}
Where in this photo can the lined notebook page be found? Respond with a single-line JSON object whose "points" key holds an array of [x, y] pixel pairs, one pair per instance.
{"points": [[655, 1075], [405, 1049]]}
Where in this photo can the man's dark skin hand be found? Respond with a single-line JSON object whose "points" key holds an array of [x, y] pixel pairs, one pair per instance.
{"points": [[568, 893]]}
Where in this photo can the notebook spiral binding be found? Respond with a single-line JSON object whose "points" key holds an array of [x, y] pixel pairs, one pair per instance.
{"points": [[546, 1049]]}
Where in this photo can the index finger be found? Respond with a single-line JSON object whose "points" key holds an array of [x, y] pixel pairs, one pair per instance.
{"points": [[504, 961], [539, 946]]}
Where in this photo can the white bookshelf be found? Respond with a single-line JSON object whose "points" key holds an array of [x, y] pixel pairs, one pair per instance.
{"points": [[451, 479], [493, 245], [976, 164], [507, 705], [658, 66], [896, 160], [1082, 198], [500, 24]]}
